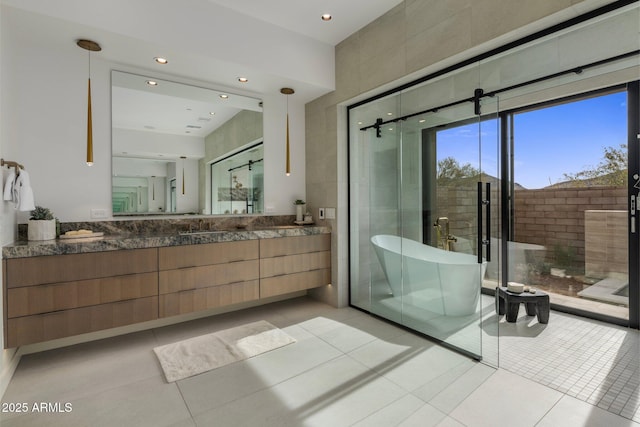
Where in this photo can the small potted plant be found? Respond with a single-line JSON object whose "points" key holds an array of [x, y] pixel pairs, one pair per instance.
{"points": [[42, 224], [299, 209]]}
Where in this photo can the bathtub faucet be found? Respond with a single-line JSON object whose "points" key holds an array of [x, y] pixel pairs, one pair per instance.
{"points": [[443, 239]]}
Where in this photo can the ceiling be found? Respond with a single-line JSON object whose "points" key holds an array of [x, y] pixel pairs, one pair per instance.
{"points": [[303, 17], [209, 43], [275, 43]]}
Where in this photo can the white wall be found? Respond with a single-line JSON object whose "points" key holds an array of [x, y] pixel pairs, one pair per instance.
{"points": [[43, 126], [8, 358], [44, 97]]}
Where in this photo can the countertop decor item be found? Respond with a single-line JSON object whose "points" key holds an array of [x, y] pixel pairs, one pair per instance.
{"points": [[42, 224], [299, 209], [514, 287]]}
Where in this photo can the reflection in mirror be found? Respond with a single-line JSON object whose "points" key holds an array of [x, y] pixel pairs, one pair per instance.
{"points": [[166, 136], [237, 182]]}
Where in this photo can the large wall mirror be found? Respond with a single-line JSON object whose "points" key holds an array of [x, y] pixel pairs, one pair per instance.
{"points": [[180, 149]]}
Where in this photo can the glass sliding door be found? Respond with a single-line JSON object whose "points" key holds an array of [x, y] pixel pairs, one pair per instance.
{"points": [[419, 249], [461, 216], [569, 231]]}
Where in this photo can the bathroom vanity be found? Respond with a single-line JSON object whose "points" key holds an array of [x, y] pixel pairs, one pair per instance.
{"points": [[57, 289]]}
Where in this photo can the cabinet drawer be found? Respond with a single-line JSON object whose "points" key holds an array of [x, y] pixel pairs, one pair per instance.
{"points": [[202, 299], [294, 245], [60, 324], [280, 285], [211, 253], [45, 298], [294, 263], [206, 276], [67, 268]]}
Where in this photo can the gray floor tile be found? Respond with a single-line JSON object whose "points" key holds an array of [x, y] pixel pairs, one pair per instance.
{"points": [[150, 402], [408, 360], [71, 372], [462, 387], [506, 398], [243, 378], [392, 414], [346, 368], [337, 393], [571, 412], [426, 416]]}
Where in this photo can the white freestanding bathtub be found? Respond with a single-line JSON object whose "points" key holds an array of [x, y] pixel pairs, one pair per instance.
{"points": [[444, 282]]}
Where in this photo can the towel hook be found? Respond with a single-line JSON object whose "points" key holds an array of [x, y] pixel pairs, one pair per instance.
{"points": [[11, 164]]}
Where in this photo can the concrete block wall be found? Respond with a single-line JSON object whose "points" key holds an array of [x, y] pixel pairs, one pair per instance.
{"points": [[551, 217], [606, 243]]}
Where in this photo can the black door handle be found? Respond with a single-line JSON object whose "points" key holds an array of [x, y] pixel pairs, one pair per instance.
{"points": [[484, 203]]}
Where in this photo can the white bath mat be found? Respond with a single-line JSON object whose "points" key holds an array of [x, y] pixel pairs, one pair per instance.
{"points": [[201, 354]]}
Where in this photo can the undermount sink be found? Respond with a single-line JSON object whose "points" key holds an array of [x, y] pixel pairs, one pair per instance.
{"points": [[195, 232], [279, 227]]}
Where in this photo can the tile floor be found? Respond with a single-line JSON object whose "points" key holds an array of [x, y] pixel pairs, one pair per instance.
{"points": [[346, 369], [592, 361]]}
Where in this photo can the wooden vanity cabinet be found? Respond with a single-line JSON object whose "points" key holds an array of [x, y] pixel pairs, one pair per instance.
{"points": [[56, 296], [199, 277], [291, 264]]}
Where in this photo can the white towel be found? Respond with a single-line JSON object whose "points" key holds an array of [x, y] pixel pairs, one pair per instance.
{"points": [[8, 186], [24, 200]]}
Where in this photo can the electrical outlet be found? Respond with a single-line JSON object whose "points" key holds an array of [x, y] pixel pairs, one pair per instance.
{"points": [[330, 213], [98, 213], [321, 213]]}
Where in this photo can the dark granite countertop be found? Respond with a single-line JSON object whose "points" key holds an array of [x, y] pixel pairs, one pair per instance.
{"points": [[114, 242]]}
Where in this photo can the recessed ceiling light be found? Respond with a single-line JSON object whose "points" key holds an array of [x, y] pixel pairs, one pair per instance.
{"points": [[422, 120], [389, 114], [161, 60], [243, 79], [326, 17], [223, 96], [212, 113], [152, 83]]}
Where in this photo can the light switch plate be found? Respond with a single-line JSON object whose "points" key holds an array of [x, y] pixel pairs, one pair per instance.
{"points": [[98, 213], [331, 213], [321, 213]]}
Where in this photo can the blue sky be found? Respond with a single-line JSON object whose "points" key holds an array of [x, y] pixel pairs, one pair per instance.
{"points": [[549, 142], [567, 138]]}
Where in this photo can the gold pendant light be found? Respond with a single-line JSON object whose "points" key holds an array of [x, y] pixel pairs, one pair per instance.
{"points": [[183, 159], [90, 46], [287, 91]]}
